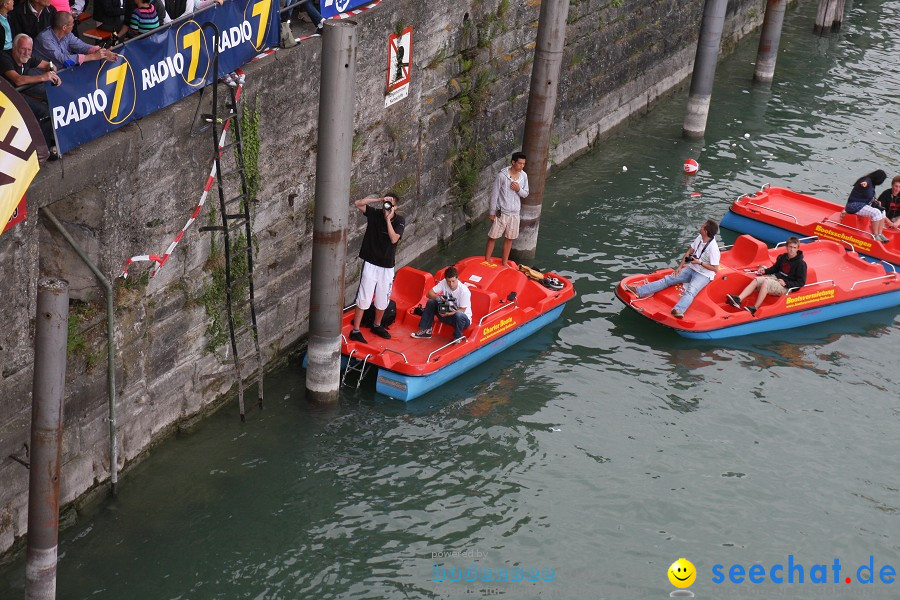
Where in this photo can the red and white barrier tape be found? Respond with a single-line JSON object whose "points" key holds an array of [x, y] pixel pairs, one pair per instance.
{"points": [[356, 11], [161, 260]]}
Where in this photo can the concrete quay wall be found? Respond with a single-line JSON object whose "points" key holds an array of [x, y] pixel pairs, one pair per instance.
{"points": [[130, 192]]}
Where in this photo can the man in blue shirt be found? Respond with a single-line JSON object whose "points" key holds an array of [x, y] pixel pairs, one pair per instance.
{"points": [[59, 45]]}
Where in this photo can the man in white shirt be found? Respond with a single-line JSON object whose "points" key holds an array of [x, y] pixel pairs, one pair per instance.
{"points": [[510, 186], [457, 309], [698, 267]]}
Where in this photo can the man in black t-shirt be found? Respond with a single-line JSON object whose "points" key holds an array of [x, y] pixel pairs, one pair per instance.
{"points": [[383, 232], [19, 67], [890, 202]]}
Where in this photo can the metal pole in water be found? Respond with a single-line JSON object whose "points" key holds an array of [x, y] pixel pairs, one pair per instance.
{"points": [[704, 68], [769, 40], [51, 332], [551, 41], [333, 165]]}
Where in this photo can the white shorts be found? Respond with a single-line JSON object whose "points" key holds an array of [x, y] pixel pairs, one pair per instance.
{"points": [[505, 225], [871, 212], [374, 282]]}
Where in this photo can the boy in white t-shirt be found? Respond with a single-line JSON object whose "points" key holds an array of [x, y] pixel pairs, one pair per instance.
{"points": [[459, 311]]}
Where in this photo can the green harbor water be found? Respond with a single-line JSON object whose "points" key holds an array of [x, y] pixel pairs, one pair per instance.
{"points": [[600, 449]]}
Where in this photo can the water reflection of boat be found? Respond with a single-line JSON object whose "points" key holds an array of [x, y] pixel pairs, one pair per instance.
{"points": [[773, 214], [839, 283], [507, 306]]}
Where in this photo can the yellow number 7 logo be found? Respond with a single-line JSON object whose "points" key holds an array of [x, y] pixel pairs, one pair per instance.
{"points": [[262, 10]]}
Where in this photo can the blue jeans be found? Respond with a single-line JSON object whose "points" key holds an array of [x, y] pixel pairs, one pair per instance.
{"points": [[459, 320], [692, 280], [312, 9]]}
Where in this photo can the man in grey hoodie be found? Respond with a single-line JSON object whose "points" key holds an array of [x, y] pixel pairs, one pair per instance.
{"points": [[510, 186]]}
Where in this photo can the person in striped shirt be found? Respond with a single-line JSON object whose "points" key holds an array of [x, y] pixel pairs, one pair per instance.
{"points": [[144, 18]]}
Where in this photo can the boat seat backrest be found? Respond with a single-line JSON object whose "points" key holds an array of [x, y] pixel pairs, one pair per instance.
{"points": [[856, 221], [747, 251], [483, 302], [409, 287]]}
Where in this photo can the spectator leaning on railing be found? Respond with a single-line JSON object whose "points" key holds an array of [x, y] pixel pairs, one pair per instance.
{"points": [[59, 45], [21, 68], [31, 17]]}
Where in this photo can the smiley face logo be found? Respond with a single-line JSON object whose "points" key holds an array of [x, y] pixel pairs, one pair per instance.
{"points": [[682, 573]]}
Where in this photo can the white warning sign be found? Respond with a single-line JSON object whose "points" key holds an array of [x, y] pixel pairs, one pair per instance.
{"points": [[399, 66]]}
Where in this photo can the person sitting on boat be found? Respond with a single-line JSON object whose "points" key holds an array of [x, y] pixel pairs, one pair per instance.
{"points": [[862, 202], [697, 268], [788, 273], [384, 229], [890, 202], [451, 302]]}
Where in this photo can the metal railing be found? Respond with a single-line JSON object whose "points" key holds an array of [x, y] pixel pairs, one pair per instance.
{"points": [[863, 231], [796, 222]]}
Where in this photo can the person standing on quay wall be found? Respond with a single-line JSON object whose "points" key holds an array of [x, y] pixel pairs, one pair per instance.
{"points": [[890, 202], [510, 186], [384, 229]]}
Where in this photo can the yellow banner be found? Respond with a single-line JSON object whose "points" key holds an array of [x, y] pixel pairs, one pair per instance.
{"points": [[20, 138]]}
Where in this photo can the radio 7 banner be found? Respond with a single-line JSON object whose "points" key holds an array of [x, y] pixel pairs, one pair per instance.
{"points": [[153, 72], [332, 8]]}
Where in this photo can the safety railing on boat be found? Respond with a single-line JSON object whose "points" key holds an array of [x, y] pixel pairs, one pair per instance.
{"points": [[394, 352], [453, 343], [888, 276], [808, 285], [796, 222], [496, 310], [863, 231]]}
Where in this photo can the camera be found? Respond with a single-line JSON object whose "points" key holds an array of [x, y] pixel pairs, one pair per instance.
{"points": [[690, 257], [445, 305], [387, 205]]}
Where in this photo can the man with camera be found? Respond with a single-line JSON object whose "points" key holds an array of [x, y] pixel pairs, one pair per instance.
{"points": [[451, 301], [697, 268], [384, 229]]}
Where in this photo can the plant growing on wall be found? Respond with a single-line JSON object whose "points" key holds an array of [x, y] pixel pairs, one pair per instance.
{"points": [[250, 134]]}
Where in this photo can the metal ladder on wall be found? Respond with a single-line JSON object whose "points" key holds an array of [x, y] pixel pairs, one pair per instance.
{"points": [[237, 235]]}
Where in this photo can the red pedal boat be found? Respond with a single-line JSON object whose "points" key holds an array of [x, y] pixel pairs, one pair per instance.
{"points": [[506, 307], [839, 283], [774, 213]]}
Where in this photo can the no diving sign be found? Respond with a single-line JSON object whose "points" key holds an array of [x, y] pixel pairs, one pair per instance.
{"points": [[399, 66]]}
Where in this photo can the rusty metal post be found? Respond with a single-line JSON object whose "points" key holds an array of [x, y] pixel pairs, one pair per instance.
{"points": [[769, 40], [704, 68], [337, 97], [51, 331], [551, 41]]}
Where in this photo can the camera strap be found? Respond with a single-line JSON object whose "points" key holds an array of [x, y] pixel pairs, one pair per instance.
{"points": [[700, 254]]}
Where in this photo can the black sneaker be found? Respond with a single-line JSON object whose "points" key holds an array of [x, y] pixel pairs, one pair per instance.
{"points": [[733, 300], [751, 310], [357, 336], [421, 335], [381, 332]]}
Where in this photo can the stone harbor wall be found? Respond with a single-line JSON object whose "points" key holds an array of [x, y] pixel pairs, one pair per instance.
{"points": [[131, 191]]}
